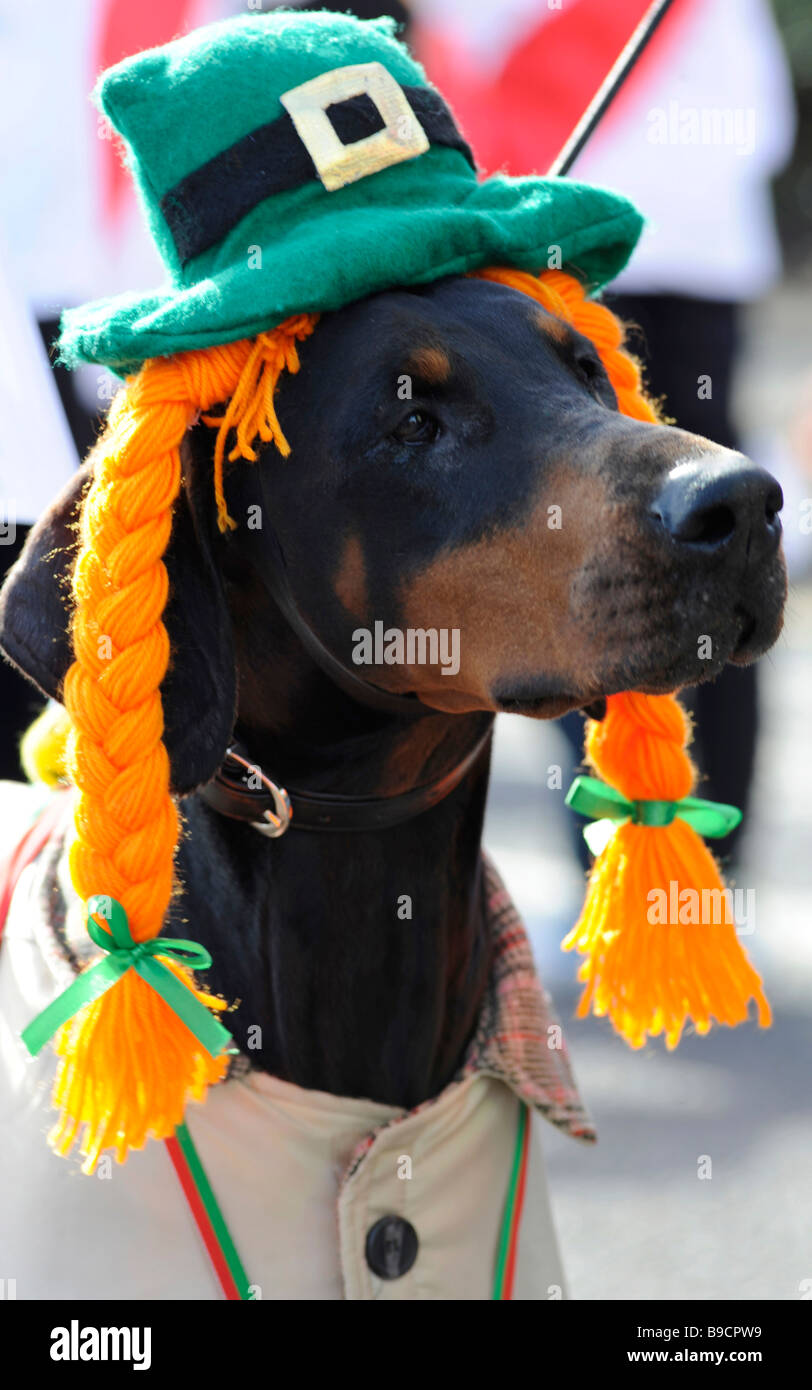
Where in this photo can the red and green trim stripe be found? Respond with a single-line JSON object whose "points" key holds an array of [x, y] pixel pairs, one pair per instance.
{"points": [[210, 1220], [511, 1221], [222, 1251]]}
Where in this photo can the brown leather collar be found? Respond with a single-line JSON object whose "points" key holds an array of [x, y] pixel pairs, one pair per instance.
{"points": [[241, 790]]}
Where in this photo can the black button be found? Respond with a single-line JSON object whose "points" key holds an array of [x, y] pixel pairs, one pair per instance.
{"points": [[391, 1247]]}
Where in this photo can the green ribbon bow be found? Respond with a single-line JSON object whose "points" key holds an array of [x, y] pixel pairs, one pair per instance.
{"points": [[610, 809], [123, 954]]}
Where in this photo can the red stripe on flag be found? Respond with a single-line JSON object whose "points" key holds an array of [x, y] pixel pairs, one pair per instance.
{"points": [[516, 120], [121, 29]]}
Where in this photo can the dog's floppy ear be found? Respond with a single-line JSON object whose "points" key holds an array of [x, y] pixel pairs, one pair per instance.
{"points": [[35, 598], [199, 690]]}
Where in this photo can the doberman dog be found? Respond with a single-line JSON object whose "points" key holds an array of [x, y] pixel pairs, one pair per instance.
{"points": [[424, 507]]}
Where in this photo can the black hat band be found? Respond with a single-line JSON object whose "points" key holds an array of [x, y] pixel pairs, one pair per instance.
{"points": [[204, 206]]}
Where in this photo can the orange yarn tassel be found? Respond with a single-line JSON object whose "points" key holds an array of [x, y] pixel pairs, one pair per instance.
{"points": [[128, 1067], [128, 1063], [649, 973], [251, 411]]}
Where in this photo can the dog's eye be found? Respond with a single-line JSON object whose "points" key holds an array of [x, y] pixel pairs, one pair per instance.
{"points": [[417, 428], [592, 374], [589, 368]]}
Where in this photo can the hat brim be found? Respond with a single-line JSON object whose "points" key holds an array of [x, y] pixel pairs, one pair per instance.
{"points": [[316, 252]]}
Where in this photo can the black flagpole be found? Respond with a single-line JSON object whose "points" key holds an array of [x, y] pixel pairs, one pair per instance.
{"points": [[609, 89]]}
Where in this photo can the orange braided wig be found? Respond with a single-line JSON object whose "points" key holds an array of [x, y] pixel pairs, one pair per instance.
{"points": [[128, 1064]]}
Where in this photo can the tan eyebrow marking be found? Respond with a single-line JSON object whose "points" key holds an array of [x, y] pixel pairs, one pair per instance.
{"points": [[551, 327], [350, 583], [430, 363]]}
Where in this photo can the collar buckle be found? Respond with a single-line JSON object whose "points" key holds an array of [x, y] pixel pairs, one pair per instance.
{"points": [[274, 822]]}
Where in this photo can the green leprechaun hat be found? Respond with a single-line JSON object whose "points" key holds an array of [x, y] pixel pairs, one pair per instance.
{"points": [[292, 163]]}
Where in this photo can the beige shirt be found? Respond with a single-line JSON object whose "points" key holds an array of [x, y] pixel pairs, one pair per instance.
{"points": [[300, 1176]]}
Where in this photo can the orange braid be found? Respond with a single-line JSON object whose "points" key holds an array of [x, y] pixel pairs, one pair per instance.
{"points": [[648, 977], [564, 296], [128, 1062]]}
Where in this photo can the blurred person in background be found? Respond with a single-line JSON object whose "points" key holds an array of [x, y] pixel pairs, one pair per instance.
{"points": [[696, 134], [69, 233]]}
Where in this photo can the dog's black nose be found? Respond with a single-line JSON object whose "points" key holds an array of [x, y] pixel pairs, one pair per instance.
{"points": [[709, 500]]}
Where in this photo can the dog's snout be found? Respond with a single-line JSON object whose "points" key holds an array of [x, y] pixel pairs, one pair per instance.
{"points": [[707, 503]]}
